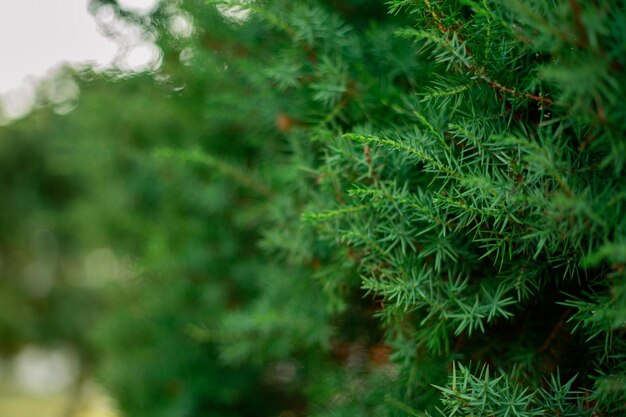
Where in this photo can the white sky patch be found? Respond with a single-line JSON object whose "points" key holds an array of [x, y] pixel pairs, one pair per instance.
{"points": [[37, 37], [237, 14], [180, 25], [139, 6]]}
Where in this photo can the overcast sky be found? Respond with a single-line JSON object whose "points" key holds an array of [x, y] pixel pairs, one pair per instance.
{"points": [[38, 35]]}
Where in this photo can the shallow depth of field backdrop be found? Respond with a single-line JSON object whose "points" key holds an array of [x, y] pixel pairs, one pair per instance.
{"points": [[323, 208]]}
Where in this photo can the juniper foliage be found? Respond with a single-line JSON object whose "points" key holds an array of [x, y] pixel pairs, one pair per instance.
{"points": [[454, 165], [415, 208], [468, 162]]}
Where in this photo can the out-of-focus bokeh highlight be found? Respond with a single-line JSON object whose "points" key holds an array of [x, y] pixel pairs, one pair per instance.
{"points": [[44, 382]]}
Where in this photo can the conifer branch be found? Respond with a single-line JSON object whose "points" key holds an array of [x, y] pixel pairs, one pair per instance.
{"points": [[478, 71], [399, 146], [224, 168]]}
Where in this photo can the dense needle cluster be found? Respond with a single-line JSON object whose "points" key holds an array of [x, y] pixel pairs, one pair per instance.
{"points": [[467, 162]]}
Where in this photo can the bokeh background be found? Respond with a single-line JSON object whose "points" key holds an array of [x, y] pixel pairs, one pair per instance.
{"points": [[48, 279], [80, 195]]}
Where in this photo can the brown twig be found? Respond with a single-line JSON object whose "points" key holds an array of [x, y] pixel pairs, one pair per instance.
{"points": [[583, 42], [555, 330], [481, 72]]}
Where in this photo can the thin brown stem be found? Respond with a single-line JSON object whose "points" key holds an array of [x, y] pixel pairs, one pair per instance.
{"points": [[481, 71], [555, 330]]}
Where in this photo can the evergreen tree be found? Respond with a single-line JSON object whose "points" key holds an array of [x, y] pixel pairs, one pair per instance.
{"points": [[474, 186], [359, 210]]}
